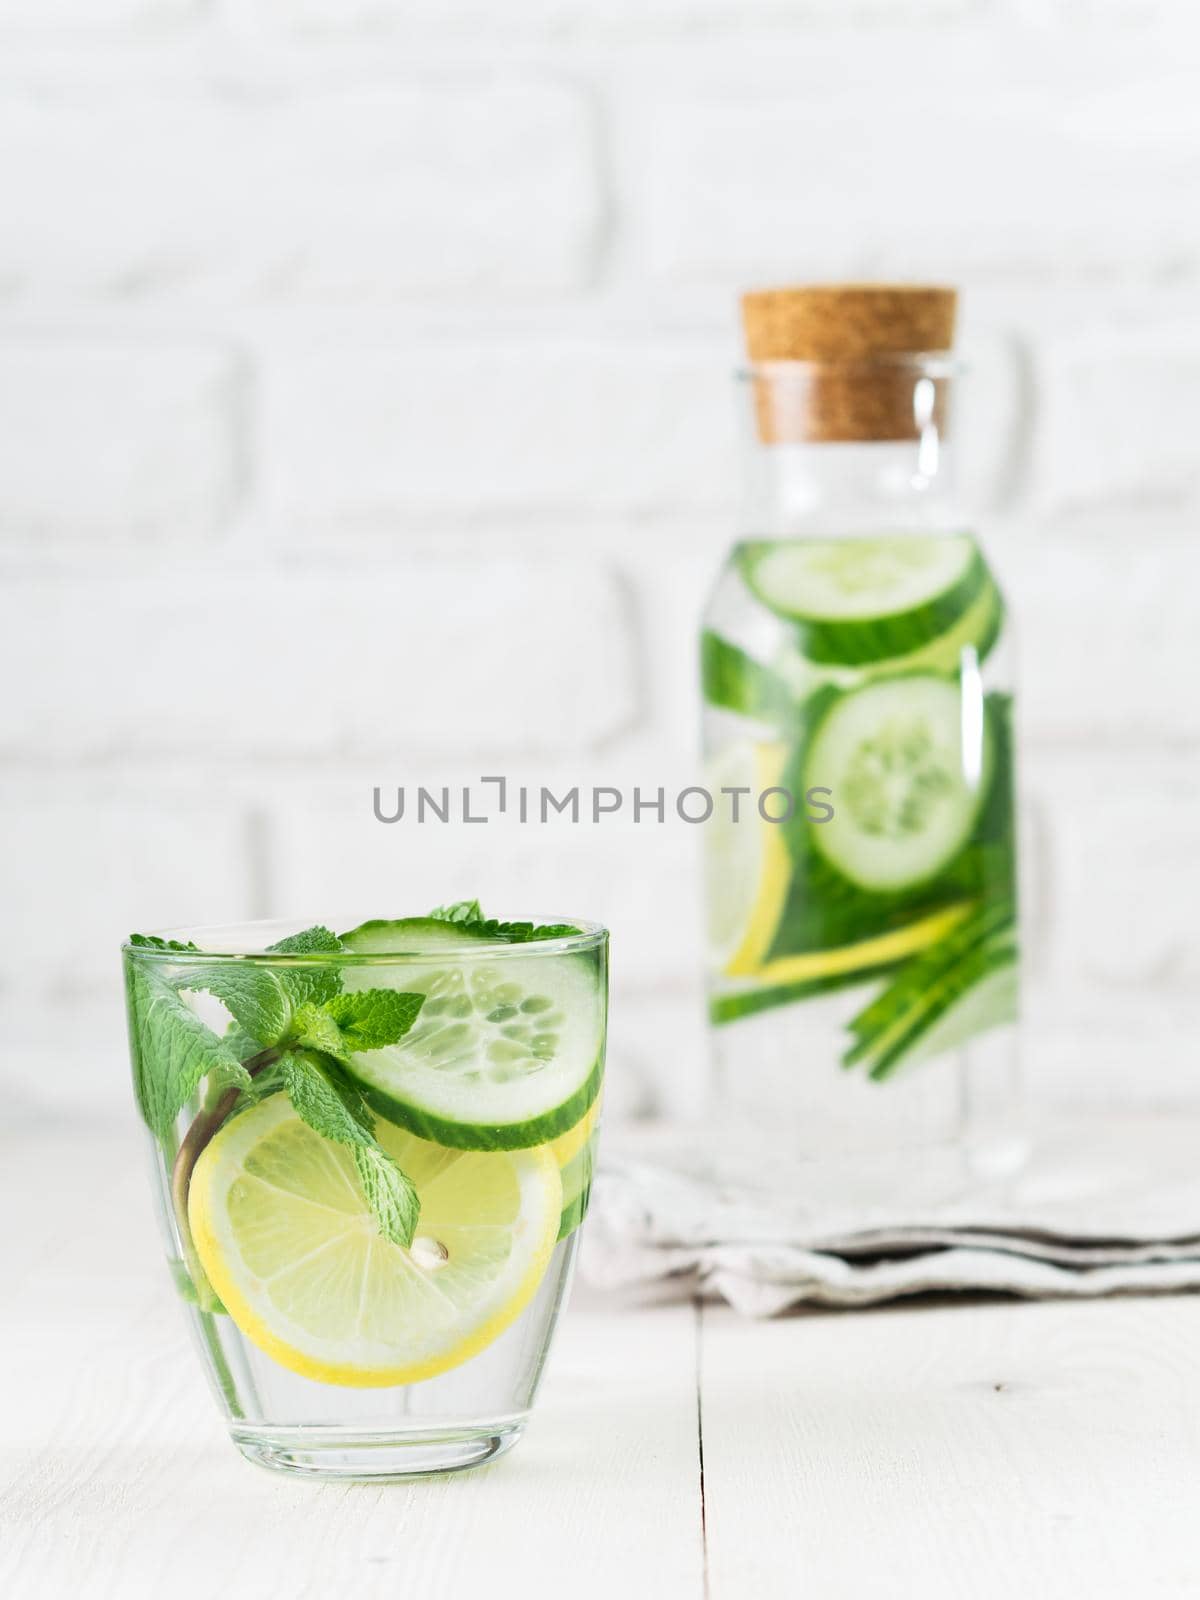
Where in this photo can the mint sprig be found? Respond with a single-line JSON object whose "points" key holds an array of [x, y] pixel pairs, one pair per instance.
{"points": [[468, 914], [317, 982], [335, 1110], [458, 911], [390, 1193], [172, 1049], [255, 998], [292, 1029], [367, 1019], [521, 932]]}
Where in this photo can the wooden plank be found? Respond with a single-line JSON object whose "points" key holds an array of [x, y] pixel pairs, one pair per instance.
{"points": [[986, 1450], [117, 1479]]}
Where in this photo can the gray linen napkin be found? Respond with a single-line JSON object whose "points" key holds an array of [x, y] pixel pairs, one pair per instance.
{"points": [[1106, 1205]]}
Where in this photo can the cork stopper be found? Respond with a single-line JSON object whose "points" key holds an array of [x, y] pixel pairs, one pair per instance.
{"points": [[852, 387]]}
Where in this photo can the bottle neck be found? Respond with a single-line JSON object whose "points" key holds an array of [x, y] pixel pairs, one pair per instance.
{"points": [[846, 488], [847, 451]]}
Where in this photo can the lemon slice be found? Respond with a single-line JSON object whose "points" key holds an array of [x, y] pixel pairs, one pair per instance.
{"points": [[568, 1145], [285, 1235], [575, 1153], [746, 862]]}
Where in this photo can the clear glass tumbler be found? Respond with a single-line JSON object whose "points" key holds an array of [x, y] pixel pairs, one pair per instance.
{"points": [[302, 1104]]}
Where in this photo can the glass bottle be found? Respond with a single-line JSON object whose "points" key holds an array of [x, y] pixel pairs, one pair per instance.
{"points": [[858, 739]]}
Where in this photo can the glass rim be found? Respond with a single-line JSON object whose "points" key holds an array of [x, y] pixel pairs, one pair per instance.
{"points": [[591, 935], [921, 363]]}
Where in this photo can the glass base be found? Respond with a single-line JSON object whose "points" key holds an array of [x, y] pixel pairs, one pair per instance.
{"points": [[379, 1458]]}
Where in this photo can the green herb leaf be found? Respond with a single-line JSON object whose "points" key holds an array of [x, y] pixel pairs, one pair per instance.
{"points": [[266, 1082], [314, 1029], [309, 941], [352, 1098], [367, 1019], [315, 983], [240, 1042], [459, 911], [335, 1110], [468, 914], [389, 1193], [172, 1049], [226, 1077], [521, 932], [151, 941], [253, 996], [371, 1019], [315, 1090]]}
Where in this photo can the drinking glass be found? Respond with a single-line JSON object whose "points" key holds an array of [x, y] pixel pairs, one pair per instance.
{"points": [[331, 1349]]}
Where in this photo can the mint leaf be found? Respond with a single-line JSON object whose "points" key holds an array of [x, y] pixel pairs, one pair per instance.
{"points": [[352, 1099], [151, 941], [229, 1077], [390, 1194], [240, 1042], [334, 1109], [521, 932], [315, 983], [267, 1081], [366, 1019], [315, 1029], [370, 1019], [172, 1049], [315, 1093], [253, 996], [309, 941], [468, 914], [459, 911]]}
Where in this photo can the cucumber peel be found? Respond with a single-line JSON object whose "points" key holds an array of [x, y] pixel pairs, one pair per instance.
{"points": [[408, 936], [856, 601], [734, 680], [941, 997], [577, 1188], [508, 1048], [465, 1135]]}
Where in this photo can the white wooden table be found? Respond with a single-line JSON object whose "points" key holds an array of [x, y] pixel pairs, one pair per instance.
{"points": [[937, 1450]]}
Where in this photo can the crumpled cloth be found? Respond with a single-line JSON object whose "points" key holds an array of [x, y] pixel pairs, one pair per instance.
{"points": [[1105, 1205]]}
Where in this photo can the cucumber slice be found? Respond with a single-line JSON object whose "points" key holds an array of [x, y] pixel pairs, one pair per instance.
{"points": [[863, 600], [906, 793], [987, 924], [978, 993], [740, 1003], [991, 1001], [576, 1188], [976, 628], [408, 936], [733, 679], [505, 1053]]}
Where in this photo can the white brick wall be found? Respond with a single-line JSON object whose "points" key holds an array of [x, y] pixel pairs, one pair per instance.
{"points": [[279, 191], [1119, 423], [101, 439], [84, 864], [1107, 628], [989, 153], [217, 660], [71, 16], [364, 419], [557, 428]]}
